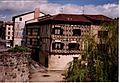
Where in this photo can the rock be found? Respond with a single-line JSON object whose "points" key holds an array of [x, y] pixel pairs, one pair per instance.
{"points": [[13, 67]]}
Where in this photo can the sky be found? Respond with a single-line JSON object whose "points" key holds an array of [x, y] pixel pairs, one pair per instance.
{"points": [[10, 8]]}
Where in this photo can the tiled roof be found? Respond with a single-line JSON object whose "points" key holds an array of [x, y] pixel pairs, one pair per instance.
{"points": [[77, 18], [8, 22], [98, 17], [70, 17]]}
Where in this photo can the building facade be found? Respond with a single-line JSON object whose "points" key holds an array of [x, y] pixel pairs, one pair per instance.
{"points": [[19, 25], [9, 34], [59, 39], [6, 33]]}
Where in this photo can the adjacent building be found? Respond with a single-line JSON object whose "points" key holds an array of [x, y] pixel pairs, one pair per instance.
{"points": [[9, 34], [19, 25], [6, 33]]}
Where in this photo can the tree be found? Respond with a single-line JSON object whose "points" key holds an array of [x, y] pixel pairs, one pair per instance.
{"points": [[102, 65]]}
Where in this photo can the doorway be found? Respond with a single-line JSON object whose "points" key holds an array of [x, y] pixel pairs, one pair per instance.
{"points": [[46, 61], [35, 54]]}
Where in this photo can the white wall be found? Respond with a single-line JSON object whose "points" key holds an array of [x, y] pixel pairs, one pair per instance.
{"points": [[17, 40], [11, 31], [59, 62]]}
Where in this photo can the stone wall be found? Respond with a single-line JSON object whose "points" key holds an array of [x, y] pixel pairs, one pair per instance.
{"points": [[14, 67]]}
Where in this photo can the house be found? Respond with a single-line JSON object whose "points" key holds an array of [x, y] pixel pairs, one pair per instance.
{"points": [[19, 25], [57, 40], [9, 33], [6, 33]]}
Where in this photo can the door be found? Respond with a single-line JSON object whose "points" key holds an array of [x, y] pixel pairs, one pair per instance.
{"points": [[46, 61], [35, 54]]}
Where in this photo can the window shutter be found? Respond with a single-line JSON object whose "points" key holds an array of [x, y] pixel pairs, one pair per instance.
{"points": [[61, 31], [53, 46], [62, 45], [53, 31]]}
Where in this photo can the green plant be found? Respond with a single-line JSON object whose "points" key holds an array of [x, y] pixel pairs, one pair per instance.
{"points": [[19, 49], [102, 66]]}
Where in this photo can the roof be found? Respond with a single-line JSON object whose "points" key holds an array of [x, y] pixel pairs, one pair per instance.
{"points": [[69, 17], [9, 23], [74, 18], [98, 17], [42, 17], [24, 14]]}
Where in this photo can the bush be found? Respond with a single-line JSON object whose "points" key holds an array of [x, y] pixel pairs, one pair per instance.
{"points": [[19, 49]]}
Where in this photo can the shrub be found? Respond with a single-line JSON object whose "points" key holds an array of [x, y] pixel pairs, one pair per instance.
{"points": [[19, 49]]}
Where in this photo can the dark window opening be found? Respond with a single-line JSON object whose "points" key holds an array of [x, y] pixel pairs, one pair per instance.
{"points": [[35, 42], [8, 33], [31, 31], [102, 34], [35, 31], [57, 45], [30, 41], [8, 37], [73, 46], [20, 19], [9, 28], [57, 31], [76, 32]]}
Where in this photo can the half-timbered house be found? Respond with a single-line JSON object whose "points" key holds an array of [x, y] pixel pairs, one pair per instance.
{"points": [[57, 40]]}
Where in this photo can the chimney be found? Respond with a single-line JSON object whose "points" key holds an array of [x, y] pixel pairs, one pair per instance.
{"points": [[36, 13]]}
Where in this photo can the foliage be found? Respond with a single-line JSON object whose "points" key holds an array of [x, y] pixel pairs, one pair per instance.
{"points": [[76, 72], [19, 49], [101, 65]]}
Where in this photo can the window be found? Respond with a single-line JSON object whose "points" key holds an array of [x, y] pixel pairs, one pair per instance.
{"points": [[102, 34], [73, 46], [31, 30], [35, 42], [57, 45], [8, 37], [30, 41], [76, 32], [8, 28], [57, 31], [8, 33], [35, 31], [20, 19]]}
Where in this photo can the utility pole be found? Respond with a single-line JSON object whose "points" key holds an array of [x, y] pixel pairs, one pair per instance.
{"points": [[61, 10], [83, 11]]}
